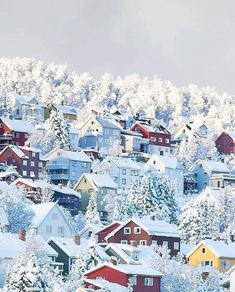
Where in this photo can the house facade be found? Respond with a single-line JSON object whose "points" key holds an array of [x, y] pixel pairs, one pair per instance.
{"points": [[14, 132], [159, 139], [142, 278], [225, 143], [100, 184], [169, 167], [203, 170], [69, 112], [210, 253], [122, 170], [146, 232], [27, 161], [50, 220], [65, 166]]}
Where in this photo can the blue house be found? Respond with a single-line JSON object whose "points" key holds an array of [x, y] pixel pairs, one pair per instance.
{"points": [[99, 132], [66, 166]]}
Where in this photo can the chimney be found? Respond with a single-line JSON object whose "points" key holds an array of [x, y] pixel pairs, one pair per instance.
{"points": [[134, 243], [232, 237], [76, 239], [113, 260], [22, 234]]}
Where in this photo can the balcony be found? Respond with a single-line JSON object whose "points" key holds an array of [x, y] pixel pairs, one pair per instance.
{"points": [[59, 176], [51, 166], [6, 136]]}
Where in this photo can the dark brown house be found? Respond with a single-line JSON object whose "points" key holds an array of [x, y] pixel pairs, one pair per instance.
{"points": [[27, 161], [146, 232]]}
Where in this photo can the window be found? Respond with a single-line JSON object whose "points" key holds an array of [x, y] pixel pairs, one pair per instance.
{"points": [[74, 163], [61, 230], [225, 265], [25, 162], [84, 164], [40, 164], [0, 125], [123, 171], [17, 135], [32, 174], [48, 229], [165, 243], [33, 154], [207, 263], [154, 162], [161, 152], [167, 140], [133, 280], [159, 139], [153, 139], [24, 173], [123, 181], [127, 230], [137, 230], [203, 250], [25, 135], [176, 245], [137, 129], [124, 242], [143, 242], [135, 255], [32, 163], [148, 281]]}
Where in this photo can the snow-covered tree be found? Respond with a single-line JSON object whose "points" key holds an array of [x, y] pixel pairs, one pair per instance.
{"points": [[92, 215]]}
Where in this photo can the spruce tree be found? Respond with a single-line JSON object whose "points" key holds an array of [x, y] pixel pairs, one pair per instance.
{"points": [[92, 215]]}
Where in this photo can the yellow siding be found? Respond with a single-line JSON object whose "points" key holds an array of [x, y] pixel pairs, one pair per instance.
{"points": [[197, 257], [88, 125], [84, 188]]}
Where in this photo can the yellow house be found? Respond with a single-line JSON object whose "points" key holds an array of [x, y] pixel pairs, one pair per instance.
{"points": [[101, 184], [69, 112], [210, 253]]}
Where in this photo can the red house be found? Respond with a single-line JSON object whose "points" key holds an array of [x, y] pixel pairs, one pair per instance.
{"points": [[159, 138], [143, 279], [14, 132], [225, 143], [101, 234], [28, 161], [146, 232]]}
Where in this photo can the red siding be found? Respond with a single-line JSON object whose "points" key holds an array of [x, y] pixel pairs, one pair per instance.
{"points": [[104, 232], [120, 278], [225, 144]]}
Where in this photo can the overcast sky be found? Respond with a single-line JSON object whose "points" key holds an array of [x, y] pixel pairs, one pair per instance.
{"points": [[185, 41]]}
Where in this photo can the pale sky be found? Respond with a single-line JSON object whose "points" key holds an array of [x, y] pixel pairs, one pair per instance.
{"points": [[184, 41]]}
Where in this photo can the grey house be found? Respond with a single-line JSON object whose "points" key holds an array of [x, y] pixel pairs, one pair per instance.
{"points": [[204, 170], [66, 166]]}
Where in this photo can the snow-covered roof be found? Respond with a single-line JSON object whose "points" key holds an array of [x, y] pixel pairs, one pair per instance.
{"points": [[122, 249], [108, 123], [129, 269], [17, 151], [41, 211], [72, 249], [131, 133], [71, 155], [185, 248], [3, 217], [167, 160], [231, 134], [152, 227], [99, 180], [43, 184], [66, 109], [102, 284], [220, 248], [18, 125], [36, 150], [8, 173], [151, 128], [10, 245], [122, 162], [90, 227], [21, 99], [211, 165], [210, 194]]}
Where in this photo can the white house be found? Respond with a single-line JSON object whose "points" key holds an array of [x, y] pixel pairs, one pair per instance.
{"points": [[204, 169], [169, 167], [122, 170], [50, 220]]}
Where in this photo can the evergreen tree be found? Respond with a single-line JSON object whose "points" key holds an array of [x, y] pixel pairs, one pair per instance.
{"points": [[92, 215]]}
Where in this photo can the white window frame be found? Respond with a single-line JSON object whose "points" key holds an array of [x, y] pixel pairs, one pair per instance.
{"points": [[123, 181], [143, 242], [123, 171], [24, 172], [225, 265], [148, 281], [133, 280], [123, 241], [167, 140], [25, 162], [127, 228], [32, 163], [176, 245], [159, 139], [135, 230], [165, 243], [33, 154], [203, 264]]}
